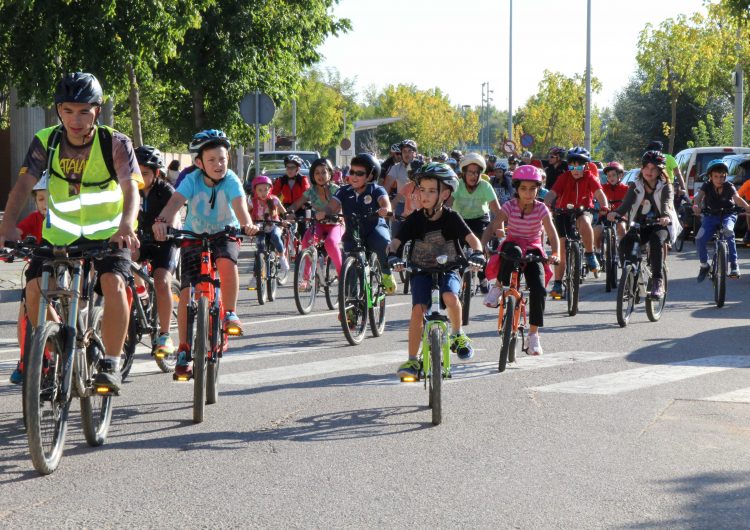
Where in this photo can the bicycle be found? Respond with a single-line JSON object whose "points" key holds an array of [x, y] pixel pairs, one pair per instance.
{"points": [[718, 266], [511, 317], [313, 270], [636, 280], [469, 287], [144, 320], [292, 247], [205, 314], [266, 269], [609, 253], [64, 356], [576, 268], [361, 291]]}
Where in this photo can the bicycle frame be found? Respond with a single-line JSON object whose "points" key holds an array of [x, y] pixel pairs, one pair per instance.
{"points": [[437, 318], [514, 290]]}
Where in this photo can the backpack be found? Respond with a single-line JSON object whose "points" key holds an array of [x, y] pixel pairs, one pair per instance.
{"points": [[105, 141]]}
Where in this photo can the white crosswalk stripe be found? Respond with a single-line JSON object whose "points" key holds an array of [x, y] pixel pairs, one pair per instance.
{"points": [[741, 395]]}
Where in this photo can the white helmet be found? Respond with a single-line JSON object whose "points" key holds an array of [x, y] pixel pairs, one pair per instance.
{"points": [[473, 158]]}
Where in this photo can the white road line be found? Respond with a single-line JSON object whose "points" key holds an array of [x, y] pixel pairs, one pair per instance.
{"points": [[326, 313], [741, 395], [647, 376]]}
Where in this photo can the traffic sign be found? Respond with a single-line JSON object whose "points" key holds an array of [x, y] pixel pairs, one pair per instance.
{"points": [[509, 146], [527, 140], [346, 143], [266, 109]]}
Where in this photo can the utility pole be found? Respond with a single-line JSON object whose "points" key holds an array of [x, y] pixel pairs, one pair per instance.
{"points": [[294, 124], [738, 95], [587, 125], [510, 75]]}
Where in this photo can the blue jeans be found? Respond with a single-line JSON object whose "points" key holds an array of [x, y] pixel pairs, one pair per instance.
{"points": [[274, 237], [376, 240], [708, 227]]}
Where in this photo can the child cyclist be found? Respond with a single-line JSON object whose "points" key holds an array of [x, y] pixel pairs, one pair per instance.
{"points": [[264, 206], [30, 226], [615, 191], [163, 255], [577, 187], [364, 198], [525, 218], [435, 230], [215, 199], [320, 194], [715, 194]]}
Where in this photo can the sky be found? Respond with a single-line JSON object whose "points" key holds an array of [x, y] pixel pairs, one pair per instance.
{"points": [[457, 45]]}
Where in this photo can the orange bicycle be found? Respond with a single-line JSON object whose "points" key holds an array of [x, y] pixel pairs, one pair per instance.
{"points": [[511, 317], [205, 313]]}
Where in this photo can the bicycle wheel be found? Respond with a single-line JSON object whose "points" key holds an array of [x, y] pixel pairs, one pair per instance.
{"points": [[720, 274], [609, 251], [467, 289], [573, 277], [131, 341], [508, 337], [435, 377], [281, 276], [261, 275], [352, 302], [305, 280], [405, 274], [377, 292], [46, 407], [167, 364], [626, 295], [212, 364], [96, 410], [272, 270], [654, 307], [331, 284], [200, 359]]}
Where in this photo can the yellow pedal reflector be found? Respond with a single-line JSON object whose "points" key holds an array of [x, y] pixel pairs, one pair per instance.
{"points": [[159, 355], [409, 379], [102, 390], [234, 331], [182, 378]]}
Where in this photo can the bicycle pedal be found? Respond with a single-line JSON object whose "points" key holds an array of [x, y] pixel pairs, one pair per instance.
{"points": [[182, 378], [102, 390], [410, 379]]}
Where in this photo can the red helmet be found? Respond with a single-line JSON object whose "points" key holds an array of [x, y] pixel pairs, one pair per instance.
{"points": [[614, 165], [528, 172]]}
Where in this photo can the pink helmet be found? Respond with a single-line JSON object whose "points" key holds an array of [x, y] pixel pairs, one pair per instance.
{"points": [[531, 173], [261, 179], [614, 165]]}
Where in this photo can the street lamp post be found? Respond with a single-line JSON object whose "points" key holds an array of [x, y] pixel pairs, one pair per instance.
{"points": [[587, 125]]}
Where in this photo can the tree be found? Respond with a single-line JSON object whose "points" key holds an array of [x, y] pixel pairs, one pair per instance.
{"points": [[678, 57]]}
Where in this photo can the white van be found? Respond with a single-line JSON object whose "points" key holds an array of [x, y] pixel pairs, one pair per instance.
{"points": [[693, 162]]}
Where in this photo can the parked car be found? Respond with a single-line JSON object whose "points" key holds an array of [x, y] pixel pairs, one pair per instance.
{"points": [[739, 168], [630, 175], [693, 162], [270, 160]]}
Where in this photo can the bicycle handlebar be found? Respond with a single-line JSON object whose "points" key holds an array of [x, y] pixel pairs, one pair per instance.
{"points": [[722, 211], [83, 250], [228, 231]]}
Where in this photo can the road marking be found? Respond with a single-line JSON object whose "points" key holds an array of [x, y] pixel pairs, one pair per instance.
{"points": [[741, 395], [647, 376], [325, 313]]}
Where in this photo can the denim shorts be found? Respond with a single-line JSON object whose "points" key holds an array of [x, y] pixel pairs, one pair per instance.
{"points": [[421, 287]]}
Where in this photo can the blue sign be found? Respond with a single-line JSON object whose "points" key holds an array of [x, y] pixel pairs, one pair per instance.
{"points": [[527, 140]]}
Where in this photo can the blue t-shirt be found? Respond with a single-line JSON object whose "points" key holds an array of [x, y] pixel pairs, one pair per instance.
{"points": [[201, 216], [363, 203]]}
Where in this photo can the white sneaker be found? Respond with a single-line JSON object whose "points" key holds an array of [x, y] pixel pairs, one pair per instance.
{"points": [[493, 296], [535, 346]]}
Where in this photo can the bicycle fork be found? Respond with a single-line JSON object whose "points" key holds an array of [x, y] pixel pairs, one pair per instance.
{"points": [[427, 368]]}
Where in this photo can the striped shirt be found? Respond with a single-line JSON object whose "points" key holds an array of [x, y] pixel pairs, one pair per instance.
{"points": [[527, 228]]}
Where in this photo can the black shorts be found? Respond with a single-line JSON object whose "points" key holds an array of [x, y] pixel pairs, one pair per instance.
{"points": [[162, 256], [564, 223], [190, 257], [117, 262]]}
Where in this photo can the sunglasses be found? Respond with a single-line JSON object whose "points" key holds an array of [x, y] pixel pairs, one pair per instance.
{"points": [[571, 167], [358, 173]]}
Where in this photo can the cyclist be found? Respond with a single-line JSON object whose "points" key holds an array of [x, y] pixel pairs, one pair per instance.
{"points": [[649, 197], [442, 158], [398, 177], [318, 196], [453, 163], [556, 165], [155, 195], [577, 187], [393, 159], [293, 185], [92, 196], [525, 218], [265, 206], [475, 199], [672, 167], [502, 182], [363, 198], [435, 230], [715, 194], [615, 191], [215, 199]]}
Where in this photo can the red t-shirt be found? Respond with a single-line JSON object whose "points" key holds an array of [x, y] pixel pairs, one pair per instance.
{"points": [[576, 192], [615, 194], [31, 225]]}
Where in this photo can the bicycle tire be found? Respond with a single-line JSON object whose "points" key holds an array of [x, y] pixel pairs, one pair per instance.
{"points": [[654, 307], [377, 292], [626, 295], [46, 410], [352, 301], [305, 300], [167, 364], [25, 351], [720, 276], [405, 274], [200, 351], [212, 365], [508, 338], [573, 277], [610, 260], [435, 376], [466, 292], [96, 410], [131, 341], [281, 277], [260, 276], [331, 287], [272, 271]]}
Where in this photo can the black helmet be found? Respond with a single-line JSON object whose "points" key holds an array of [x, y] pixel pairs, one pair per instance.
{"points": [[369, 162], [558, 151], [654, 157], [456, 155], [655, 145], [579, 153], [293, 159], [409, 143], [320, 162], [150, 157], [396, 148], [437, 170], [442, 157], [79, 87], [491, 159]]}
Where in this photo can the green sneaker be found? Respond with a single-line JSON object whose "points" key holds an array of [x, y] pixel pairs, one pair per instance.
{"points": [[164, 346], [409, 371], [389, 283], [461, 344]]}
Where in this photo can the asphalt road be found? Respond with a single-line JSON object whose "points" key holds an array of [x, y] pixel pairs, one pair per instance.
{"points": [[642, 427]]}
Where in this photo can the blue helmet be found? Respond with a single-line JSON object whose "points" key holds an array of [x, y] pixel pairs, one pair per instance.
{"points": [[715, 164], [579, 153], [208, 138]]}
